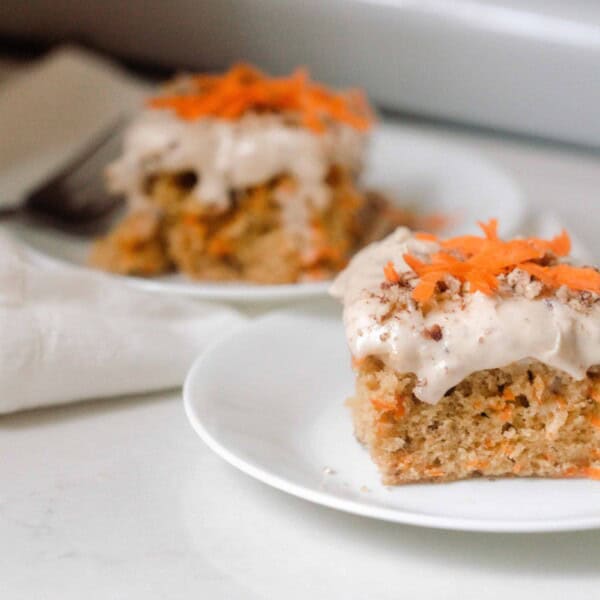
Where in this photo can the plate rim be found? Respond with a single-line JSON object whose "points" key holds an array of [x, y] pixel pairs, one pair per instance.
{"points": [[250, 293], [331, 501]]}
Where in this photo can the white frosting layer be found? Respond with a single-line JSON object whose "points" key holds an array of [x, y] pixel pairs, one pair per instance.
{"points": [[230, 155], [482, 332]]}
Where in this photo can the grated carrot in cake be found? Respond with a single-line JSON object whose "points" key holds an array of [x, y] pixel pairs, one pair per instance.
{"points": [[478, 261]]}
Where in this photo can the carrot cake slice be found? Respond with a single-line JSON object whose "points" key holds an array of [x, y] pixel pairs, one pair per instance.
{"points": [[474, 357], [242, 176]]}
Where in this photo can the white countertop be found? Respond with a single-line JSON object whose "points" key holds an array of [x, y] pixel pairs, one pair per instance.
{"points": [[119, 499]]}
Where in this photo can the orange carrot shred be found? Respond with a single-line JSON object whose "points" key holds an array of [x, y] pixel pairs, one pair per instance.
{"points": [[479, 260], [397, 408], [424, 291], [244, 88], [400, 408], [434, 472], [561, 244], [427, 237], [477, 464], [490, 229], [508, 395], [382, 405], [414, 263], [592, 472], [506, 414], [390, 273]]}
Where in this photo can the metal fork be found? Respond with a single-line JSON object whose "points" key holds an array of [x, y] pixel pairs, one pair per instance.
{"points": [[75, 198]]}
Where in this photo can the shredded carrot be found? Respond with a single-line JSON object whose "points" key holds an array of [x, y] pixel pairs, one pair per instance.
{"points": [[390, 273], [427, 237], [508, 395], [396, 407], [424, 291], [592, 472], [490, 229], [506, 413], [477, 464], [382, 405], [434, 472], [400, 408], [244, 88], [479, 260]]}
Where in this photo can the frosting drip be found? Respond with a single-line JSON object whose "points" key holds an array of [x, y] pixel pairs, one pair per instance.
{"points": [[230, 155], [478, 332]]}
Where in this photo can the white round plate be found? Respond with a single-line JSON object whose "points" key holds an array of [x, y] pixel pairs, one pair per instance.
{"points": [[270, 401], [423, 171]]}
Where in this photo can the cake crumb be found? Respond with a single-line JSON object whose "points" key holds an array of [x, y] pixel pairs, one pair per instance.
{"points": [[544, 421]]}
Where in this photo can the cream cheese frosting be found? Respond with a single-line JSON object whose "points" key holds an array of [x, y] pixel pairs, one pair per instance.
{"points": [[230, 155], [478, 332]]}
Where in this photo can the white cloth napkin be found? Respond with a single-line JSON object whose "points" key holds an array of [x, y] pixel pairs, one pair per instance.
{"points": [[68, 334], [51, 110], [72, 334]]}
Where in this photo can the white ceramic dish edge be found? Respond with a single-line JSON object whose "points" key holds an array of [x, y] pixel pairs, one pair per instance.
{"points": [[350, 506]]}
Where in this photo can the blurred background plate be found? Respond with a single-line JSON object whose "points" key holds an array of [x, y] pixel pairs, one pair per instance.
{"points": [[423, 171]]}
